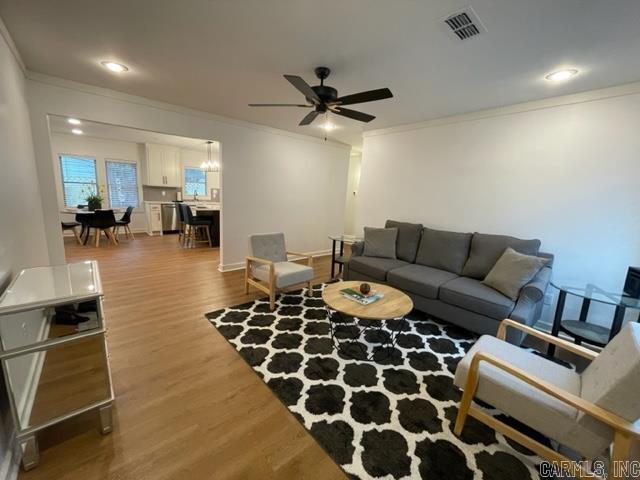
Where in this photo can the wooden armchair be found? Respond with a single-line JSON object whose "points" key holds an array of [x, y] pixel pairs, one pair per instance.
{"points": [[586, 412], [268, 267]]}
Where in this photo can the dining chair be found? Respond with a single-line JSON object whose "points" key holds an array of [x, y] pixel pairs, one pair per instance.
{"points": [[124, 223], [193, 224], [102, 221], [73, 226], [268, 267], [181, 221]]}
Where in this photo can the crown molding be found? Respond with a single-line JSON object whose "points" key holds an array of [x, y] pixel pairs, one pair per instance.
{"points": [[12, 46], [169, 107], [547, 103]]}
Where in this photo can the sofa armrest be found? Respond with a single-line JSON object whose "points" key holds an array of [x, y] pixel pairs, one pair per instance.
{"points": [[357, 249], [537, 287]]}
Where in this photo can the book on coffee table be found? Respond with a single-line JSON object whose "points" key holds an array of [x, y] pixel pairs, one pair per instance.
{"points": [[362, 299]]}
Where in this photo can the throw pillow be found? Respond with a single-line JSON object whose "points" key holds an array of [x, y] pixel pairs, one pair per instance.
{"points": [[380, 242], [444, 250], [513, 271]]}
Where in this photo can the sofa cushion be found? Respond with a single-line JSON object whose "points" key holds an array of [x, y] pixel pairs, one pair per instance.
{"points": [[380, 242], [444, 250], [513, 271], [408, 239], [486, 250], [374, 267], [418, 279], [474, 296]]}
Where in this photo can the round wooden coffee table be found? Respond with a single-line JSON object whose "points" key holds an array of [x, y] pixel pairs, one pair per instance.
{"points": [[349, 320]]}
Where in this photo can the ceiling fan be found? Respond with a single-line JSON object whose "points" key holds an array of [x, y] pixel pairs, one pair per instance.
{"points": [[323, 98]]}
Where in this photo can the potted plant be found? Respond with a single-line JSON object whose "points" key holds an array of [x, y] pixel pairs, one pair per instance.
{"points": [[94, 201]]}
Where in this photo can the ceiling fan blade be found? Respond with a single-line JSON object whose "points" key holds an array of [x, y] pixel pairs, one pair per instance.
{"points": [[362, 97], [303, 87], [345, 112], [279, 105], [310, 117]]}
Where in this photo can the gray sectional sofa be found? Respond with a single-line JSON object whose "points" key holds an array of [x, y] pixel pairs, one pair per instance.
{"points": [[442, 272]]}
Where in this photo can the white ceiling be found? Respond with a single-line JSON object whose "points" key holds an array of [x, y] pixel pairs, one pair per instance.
{"points": [[219, 55], [59, 124]]}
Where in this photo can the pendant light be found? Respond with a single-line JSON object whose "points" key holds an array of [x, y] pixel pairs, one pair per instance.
{"points": [[210, 165]]}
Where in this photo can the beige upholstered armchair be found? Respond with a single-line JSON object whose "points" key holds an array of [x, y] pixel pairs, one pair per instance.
{"points": [[268, 267], [587, 412]]}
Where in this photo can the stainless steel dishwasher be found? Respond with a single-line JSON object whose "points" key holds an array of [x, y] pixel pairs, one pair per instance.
{"points": [[170, 219]]}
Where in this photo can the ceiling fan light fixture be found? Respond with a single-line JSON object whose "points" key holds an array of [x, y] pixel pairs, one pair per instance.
{"points": [[328, 126]]}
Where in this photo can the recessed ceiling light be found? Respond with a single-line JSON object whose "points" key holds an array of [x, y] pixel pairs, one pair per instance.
{"points": [[77, 131], [115, 67], [561, 75], [74, 121]]}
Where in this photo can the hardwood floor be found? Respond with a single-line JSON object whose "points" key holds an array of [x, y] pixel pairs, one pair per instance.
{"points": [[187, 406]]}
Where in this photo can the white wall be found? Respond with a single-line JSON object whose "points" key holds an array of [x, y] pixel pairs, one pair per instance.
{"points": [[271, 180], [22, 233], [353, 183], [566, 174]]}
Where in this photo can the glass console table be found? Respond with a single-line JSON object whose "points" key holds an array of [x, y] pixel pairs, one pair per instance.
{"points": [[53, 350], [580, 329], [340, 259]]}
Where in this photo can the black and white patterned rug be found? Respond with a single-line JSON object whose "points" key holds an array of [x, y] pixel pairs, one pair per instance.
{"points": [[387, 419]]}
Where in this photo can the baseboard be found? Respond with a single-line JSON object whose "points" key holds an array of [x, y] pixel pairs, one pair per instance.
{"points": [[229, 267]]}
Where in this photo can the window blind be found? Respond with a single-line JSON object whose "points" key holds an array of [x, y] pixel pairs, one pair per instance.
{"points": [[195, 180], [122, 183], [79, 179]]}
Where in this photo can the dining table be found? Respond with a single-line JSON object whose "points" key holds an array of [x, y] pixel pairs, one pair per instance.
{"points": [[81, 212]]}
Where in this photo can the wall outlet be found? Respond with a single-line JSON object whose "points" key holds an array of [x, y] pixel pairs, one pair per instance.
{"points": [[164, 193]]}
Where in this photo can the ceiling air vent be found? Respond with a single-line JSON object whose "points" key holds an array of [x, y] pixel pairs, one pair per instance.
{"points": [[464, 24]]}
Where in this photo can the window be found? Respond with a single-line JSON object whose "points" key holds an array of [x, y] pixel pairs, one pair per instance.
{"points": [[122, 183], [79, 179], [195, 180]]}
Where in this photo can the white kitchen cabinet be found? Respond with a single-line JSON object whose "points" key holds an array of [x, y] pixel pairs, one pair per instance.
{"points": [[154, 218], [162, 166]]}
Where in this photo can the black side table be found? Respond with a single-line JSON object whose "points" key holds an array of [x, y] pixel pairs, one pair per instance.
{"points": [[340, 259], [580, 329]]}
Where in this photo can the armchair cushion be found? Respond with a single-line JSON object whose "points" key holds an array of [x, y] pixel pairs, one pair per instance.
{"points": [[269, 246], [516, 398], [286, 273]]}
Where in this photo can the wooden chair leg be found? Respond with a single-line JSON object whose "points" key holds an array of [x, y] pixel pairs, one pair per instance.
{"points": [[465, 402], [310, 289], [208, 236], [246, 276], [112, 238], [96, 236], [620, 453], [77, 235]]}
